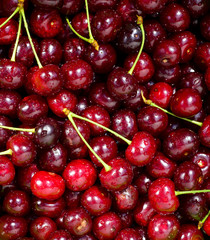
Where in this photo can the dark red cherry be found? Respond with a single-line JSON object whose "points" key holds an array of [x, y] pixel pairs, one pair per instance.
{"points": [[167, 53], [77, 221], [24, 53], [10, 6], [70, 7], [4, 133], [189, 231], [128, 233], [47, 3], [105, 25], [88, 236], [60, 235], [79, 152], [96, 200], [47, 208], [47, 185], [82, 104], [186, 102], [162, 196], [204, 26], [143, 182], [175, 18], [204, 132], [181, 144], [45, 23], [96, 5], [105, 147], [196, 8], [142, 149], [41, 228], [126, 218], [79, 175], [107, 226], [8, 32], [11, 227], [202, 56], [207, 78], [72, 198], [63, 99], [151, 6], [163, 227], [152, 119], [16, 203], [154, 33], [31, 108], [119, 177], [102, 60], [78, 74], [7, 171], [121, 84], [74, 48], [50, 51], [144, 68], [47, 80]]}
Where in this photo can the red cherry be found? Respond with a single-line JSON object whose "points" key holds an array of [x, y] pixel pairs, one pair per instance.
{"points": [[8, 32], [206, 226], [204, 132], [7, 171]]}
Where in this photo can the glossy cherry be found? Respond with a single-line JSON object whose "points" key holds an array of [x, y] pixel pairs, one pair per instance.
{"points": [[8, 32], [143, 182], [72, 198], [151, 6], [60, 235], [190, 231], [204, 132], [71, 6], [74, 48], [196, 8], [202, 56], [128, 233], [7, 171]]}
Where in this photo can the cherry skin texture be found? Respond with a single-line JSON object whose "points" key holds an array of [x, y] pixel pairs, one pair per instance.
{"points": [[4, 133], [96, 5], [7, 171], [189, 231], [71, 6], [72, 198], [204, 132], [47, 185], [79, 175], [143, 182], [202, 56], [206, 226], [162, 196], [207, 78], [8, 32], [150, 6], [204, 24], [128, 233], [196, 8], [74, 48], [60, 235], [119, 177], [47, 3]]}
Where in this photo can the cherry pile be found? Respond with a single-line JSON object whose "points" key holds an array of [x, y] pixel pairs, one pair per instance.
{"points": [[104, 119]]}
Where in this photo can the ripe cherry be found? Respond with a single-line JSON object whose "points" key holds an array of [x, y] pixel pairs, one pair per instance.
{"points": [[8, 32], [7, 171]]}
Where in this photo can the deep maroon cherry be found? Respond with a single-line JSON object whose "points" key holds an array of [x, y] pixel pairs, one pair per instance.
{"points": [[96, 5], [60, 235], [181, 144], [74, 48], [204, 25], [7, 171], [47, 185], [72, 198], [128, 233], [96, 200], [202, 56], [189, 231], [4, 133], [143, 182], [88, 236], [45, 23], [77, 221], [71, 6], [10, 6], [8, 32], [150, 6], [163, 227], [79, 152], [82, 170], [47, 3], [119, 177], [41, 228], [12, 227], [204, 132], [107, 226], [196, 8], [207, 78], [126, 218]]}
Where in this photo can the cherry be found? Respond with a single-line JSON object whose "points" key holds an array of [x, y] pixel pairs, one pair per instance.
{"points": [[143, 182], [95, 5], [202, 56], [72, 198], [47, 3], [60, 235], [41, 228], [204, 132], [186, 102], [107, 226], [163, 227], [79, 152], [12, 227], [45, 23], [8, 31], [206, 226], [47, 208], [126, 219], [71, 6], [77, 221], [7, 171], [196, 8], [47, 185], [128, 233], [150, 6], [10, 6], [74, 48], [96, 200], [81, 169], [167, 53], [189, 231], [204, 24], [207, 78], [82, 104], [16, 203], [119, 177], [4, 133], [87, 237]]}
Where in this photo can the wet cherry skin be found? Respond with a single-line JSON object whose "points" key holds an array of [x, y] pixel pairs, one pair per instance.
{"points": [[71, 6], [60, 235], [8, 32], [150, 6], [189, 231], [4, 133], [206, 226], [47, 3], [74, 48], [196, 8], [96, 5], [7, 171], [204, 132], [128, 233], [202, 56], [143, 182]]}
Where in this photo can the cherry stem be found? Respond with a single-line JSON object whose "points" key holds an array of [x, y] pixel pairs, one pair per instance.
{"points": [[200, 224], [17, 39], [88, 20], [101, 126], [22, 12], [177, 193], [19, 129], [11, 16], [70, 117], [150, 103], [140, 23], [7, 152]]}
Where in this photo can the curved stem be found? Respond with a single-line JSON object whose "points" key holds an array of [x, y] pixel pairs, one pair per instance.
{"points": [[150, 103], [177, 193], [22, 12], [200, 224], [88, 20], [11, 16], [7, 152], [101, 126], [106, 166], [19, 129], [17, 39], [139, 22]]}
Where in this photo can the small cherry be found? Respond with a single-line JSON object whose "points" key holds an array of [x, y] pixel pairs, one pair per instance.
{"points": [[205, 223], [60, 235], [7, 171], [189, 231], [128, 233]]}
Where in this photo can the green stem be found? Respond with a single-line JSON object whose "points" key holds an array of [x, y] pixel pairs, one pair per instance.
{"points": [[88, 20], [177, 193], [19, 129], [200, 224], [101, 126], [150, 103], [7, 152], [106, 166], [17, 39], [140, 22], [22, 12], [11, 16]]}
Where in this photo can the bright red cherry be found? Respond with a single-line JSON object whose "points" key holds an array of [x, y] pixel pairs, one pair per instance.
{"points": [[206, 226], [128, 233], [8, 32]]}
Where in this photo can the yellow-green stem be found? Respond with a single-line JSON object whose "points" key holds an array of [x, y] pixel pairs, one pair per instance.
{"points": [[139, 22], [200, 224], [150, 103], [17, 39], [7, 152], [70, 117], [19, 129], [177, 193], [11, 16], [88, 20]]}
